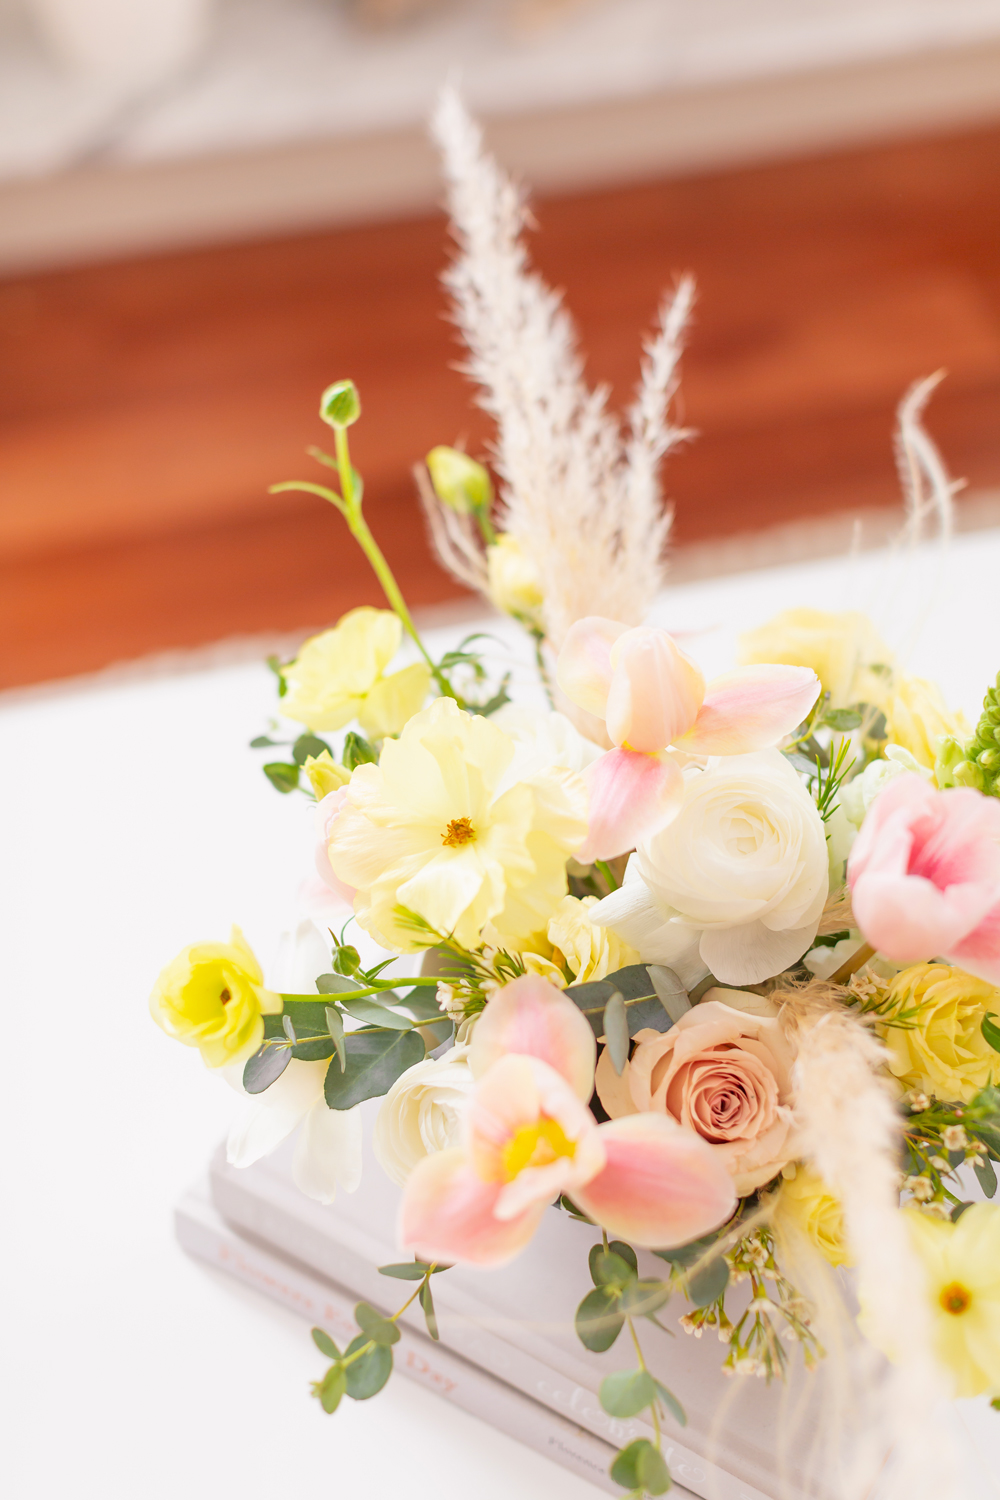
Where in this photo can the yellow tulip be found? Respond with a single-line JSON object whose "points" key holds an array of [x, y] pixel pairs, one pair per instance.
{"points": [[212, 996], [338, 677], [917, 716]]}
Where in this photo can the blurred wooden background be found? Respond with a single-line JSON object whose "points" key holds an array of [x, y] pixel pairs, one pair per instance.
{"points": [[147, 405]]}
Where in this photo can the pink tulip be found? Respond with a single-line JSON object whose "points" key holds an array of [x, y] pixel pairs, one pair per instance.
{"points": [[327, 811], [531, 1017], [651, 696], [924, 875], [529, 1138]]}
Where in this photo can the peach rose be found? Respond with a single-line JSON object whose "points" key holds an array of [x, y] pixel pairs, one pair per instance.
{"points": [[725, 1074]]}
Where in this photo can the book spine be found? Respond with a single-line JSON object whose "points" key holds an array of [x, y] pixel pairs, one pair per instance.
{"points": [[204, 1234]]}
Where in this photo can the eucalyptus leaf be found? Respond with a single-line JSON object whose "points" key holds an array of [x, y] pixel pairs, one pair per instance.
{"points": [[406, 1270], [686, 1255], [608, 1269], [377, 1015], [627, 1392], [375, 1060], [262, 742], [335, 1026], [334, 1384], [671, 1402], [641, 1467], [288, 1027], [625, 1252], [367, 1375], [330, 984], [616, 1035], [634, 985], [709, 1283], [990, 1137], [306, 745], [640, 1299], [842, 719], [283, 775], [324, 1343], [430, 1316], [371, 1322], [265, 1067], [987, 1177], [669, 991], [598, 1319]]}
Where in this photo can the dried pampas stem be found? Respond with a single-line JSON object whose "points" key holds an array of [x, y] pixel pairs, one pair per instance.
{"points": [[580, 497], [852, 1132], [837, 914]]}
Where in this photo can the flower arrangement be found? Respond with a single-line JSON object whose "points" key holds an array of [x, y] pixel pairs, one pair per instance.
{"points": [[713, 967]]}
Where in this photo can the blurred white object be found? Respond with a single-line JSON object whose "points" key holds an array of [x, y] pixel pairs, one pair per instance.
{"points": [[136, 43]]}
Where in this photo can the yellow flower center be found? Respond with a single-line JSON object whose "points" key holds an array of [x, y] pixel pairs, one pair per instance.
{"points": [[536, 1146], [459, 831], [955, 1298]]}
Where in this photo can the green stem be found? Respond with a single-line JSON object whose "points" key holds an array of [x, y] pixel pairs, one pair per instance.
{"points": [[607, 872], [486, 527], [538, 636], [358, 1353], [642, 1366]]}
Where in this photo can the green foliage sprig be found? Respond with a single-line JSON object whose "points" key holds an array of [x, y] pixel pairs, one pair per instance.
{"points": [[976, 762], [939, 1137], [366, 1364]]}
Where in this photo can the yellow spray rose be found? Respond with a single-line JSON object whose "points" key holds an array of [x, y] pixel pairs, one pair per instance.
{"points": [[806, 1203], [844, 650], [324, 774], [916, 717], [940, 1049], [512, 580], [338, 676], [212, 997], [444, 827], [962, 1265], [591, 952]]}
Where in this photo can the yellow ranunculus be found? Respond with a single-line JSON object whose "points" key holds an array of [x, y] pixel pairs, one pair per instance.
{"points": [[338, 676], [962, 1264], [212, 996], [443, 827], [512, 580], [806, 1203], [941, 1049], [324, 774], [844, 650], [916, 717], [591, 952]]}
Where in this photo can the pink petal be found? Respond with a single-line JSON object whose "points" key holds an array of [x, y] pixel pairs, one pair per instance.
{"points": [[909, 919], [751, 708], [447, 1214], [632, 796], [656, 690], [662, 1185], [583, 670], [979, 953], [327, 811], [532, 1017], [522, 1091]]}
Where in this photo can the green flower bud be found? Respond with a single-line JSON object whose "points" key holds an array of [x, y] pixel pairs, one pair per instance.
{"points": [[989, 760], [340, 404], [459, 482], [967, 773]]}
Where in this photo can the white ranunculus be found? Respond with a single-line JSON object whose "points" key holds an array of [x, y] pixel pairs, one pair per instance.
{"points": [[422, 1112], [328, 1150], [736, 884]]}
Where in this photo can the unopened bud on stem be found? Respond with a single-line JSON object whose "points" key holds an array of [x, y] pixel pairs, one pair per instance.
{"points": [[340, 404], [459, 482]]}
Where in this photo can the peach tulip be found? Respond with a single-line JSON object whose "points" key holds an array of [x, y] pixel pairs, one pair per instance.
{"points": [[924, 875], [529, 1137], [652, 696]]}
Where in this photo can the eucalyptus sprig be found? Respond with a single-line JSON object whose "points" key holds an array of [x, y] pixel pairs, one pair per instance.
{"points": [[366, 1364]]}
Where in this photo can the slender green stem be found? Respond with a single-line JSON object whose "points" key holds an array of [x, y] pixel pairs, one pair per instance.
{"points": [[486, 527], [607, 872], [538, 636], [642, 1366], [358, 1353]]}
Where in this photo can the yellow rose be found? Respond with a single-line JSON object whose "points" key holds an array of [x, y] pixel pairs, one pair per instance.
{"points": [[338, 676], [844, 650], [324, 774], [962, 1264], [442, 827], [806, 1203], [916, 717], [591, 952], [513, 583], [940, 1049], [212, 997]]}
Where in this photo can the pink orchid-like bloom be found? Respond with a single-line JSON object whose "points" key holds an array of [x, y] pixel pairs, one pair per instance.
{"points": [[924, 876], [652, 696], [529, 1137]]}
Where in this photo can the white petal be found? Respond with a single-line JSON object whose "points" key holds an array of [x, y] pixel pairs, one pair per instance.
{"points": [[328, 1152], [751, 953], [274, 1114], [635, 916], [303, 954]]}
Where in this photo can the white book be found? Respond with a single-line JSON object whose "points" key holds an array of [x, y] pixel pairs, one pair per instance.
{"points": [[514, 1326]]}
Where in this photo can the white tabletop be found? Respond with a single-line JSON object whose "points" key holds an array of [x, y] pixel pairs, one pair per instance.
{"points": [[134, 821]]}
